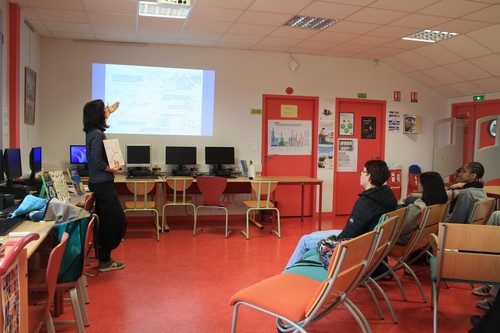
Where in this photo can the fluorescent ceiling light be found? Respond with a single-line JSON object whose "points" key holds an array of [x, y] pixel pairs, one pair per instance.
{"points": [[164, 9], [310, 22], [430, 36]]}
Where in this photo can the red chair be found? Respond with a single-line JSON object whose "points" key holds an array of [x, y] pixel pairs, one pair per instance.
{"points": [[40, 313], [211, 189], [414, 172]]}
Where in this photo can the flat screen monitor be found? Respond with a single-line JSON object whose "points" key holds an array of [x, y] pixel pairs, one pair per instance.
{"points": [[35, 161], [219, 155], [12, 164], [138, 155], [78, 154], [180, 155]]}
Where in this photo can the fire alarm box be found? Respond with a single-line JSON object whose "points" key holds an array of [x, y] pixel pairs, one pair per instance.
{"points": [[394, 182]]}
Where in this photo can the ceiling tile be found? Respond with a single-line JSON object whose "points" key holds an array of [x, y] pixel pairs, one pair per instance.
{"points": [[489, 37], [195, 42], [328, 36], [365, 56], [337, 53], [467, 70], [452, 8], [315, 44], [279, 41], [72, 35], [489, 14], [168, 32], [113, 29], [302, 50], [416, 60], [447, 91], [465, 47], [251, 29], [403, 5], [289, 32], [200, 35], [158, 24], [206, 25], [398, 65], [269, 48], [254, 17], [383, 51], [235, 4], [351, 48], [420, 21], [466, 88], [215, 14], [406, 44], [443, 75], [489, 85], [57, 4], [38, 25], [425, 79], [353, 27], [122, 38], [490, 63], [279, 6], [329, 10], [111, 6], [378, 16], [371, 40], [29, 13], [240, 39], [68, 27], [233, 46], [392, 31], [352, 2], [460, 26], [112, 19], [61, 15], [155, 40], [438, 54]]}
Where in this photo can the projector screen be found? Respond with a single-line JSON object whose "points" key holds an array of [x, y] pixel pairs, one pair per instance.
{"points": [[156, 100]]}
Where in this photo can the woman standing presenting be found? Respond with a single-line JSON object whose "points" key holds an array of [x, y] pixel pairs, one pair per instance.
{"points": [[112, 221]]}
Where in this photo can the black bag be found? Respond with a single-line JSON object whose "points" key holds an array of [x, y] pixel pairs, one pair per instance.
{"points": [[325, 249]]}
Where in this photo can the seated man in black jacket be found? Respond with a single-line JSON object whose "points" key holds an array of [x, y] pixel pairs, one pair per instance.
{"points": [[375, 200]]}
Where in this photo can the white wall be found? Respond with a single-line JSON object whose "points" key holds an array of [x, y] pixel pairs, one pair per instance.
{"points": [[241, 79]]}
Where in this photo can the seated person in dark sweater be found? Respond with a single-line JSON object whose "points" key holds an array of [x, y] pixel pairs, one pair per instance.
{"points": [[375, 200]]}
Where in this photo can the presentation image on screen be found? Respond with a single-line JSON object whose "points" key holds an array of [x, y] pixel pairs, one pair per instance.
{"points": [[156, 100], [77, 154]]}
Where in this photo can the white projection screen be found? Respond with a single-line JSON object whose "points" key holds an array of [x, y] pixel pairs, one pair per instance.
{"points": [[156, 100]]}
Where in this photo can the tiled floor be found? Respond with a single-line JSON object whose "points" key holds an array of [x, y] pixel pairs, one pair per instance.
{"points": [[183, 284]]}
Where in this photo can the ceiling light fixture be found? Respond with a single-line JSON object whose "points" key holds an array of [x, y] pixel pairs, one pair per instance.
{"points": [[310, 22], [165, 8], [430, 36]]}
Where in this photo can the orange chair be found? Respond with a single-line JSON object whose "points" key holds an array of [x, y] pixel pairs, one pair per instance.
{"points": [[482, 211], [141, 189], [262, 190], [297, 300], [179, 198], [40, 313], [211, 189]]}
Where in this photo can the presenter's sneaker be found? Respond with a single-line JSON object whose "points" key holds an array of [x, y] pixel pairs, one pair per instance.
{"points": [[482, 291], [110, 266], [485, 304]]}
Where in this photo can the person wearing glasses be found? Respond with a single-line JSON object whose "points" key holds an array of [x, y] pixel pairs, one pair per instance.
{"points": [[461, 205], [375, 200]]}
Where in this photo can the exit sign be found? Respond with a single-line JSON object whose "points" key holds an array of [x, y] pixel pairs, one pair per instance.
{"points": [[362, 95], [478, 98]]}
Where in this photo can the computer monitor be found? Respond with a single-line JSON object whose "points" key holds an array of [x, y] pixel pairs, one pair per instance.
{"points": [[35, 161], [2, 177], [219, 156], [179, 156], [78, 154], [12, 164], [138, 156]]}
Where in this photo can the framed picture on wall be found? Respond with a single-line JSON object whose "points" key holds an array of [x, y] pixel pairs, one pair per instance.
{"points": [[29, 95], [411, 124], [346, 123]]}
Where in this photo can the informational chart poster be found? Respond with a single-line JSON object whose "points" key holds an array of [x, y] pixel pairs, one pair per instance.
{"points": [[289, 137], [346, 123], [393, 121], [11, 299], [347, 159]]}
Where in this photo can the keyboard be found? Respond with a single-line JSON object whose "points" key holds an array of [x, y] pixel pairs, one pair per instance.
{"points": [[7, 224], [139, 177]]}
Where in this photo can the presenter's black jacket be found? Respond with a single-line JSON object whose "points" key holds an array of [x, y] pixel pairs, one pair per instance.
{"points": [[367, 210], [96, 157]]}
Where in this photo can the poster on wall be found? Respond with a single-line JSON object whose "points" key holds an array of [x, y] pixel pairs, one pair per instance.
{"points": [[325, 136], [325, 157], [393, 121], [326, 108], [11, 299], [289, 137], [29, 95], [368, 127], [346, 123], [347, 155]]}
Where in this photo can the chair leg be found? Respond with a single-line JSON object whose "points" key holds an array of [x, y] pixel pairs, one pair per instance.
{"points": [[195, 220], [164, 224], [235, 317], [375, 300], [227, 232], [247, 232], [358, 315], [157, 224], [398, 281], [435, 297], [386, 299], [49, 324], [77, 310], [83, 289], [419, 285]]}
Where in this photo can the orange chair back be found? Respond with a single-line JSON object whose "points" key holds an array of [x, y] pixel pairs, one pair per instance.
{"points": [[211, 189], [263, 190], [389, 232], [179, 185], [482, 211]]}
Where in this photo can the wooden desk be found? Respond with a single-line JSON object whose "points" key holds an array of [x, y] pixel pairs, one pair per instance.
{"points": [[43, 229], [493, 191]]}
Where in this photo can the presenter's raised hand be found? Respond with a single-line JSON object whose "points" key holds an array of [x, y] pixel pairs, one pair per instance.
{"points": [[109, 109]]}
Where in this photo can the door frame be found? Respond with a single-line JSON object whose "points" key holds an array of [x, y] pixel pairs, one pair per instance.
{"points": [[338, 101]]}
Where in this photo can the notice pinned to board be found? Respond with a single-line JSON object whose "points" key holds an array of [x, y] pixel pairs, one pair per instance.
{"points": [[347, 158], [289, 111]]}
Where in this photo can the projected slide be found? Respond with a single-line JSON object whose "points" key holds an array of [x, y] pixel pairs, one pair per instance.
{"points": [[156, 100]]}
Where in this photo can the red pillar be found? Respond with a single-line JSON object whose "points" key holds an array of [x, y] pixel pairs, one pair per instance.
{"points": [[14, 68]]}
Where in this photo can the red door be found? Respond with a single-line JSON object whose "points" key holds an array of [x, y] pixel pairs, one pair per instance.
{"points": [[289, 147], [365, 120]]}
